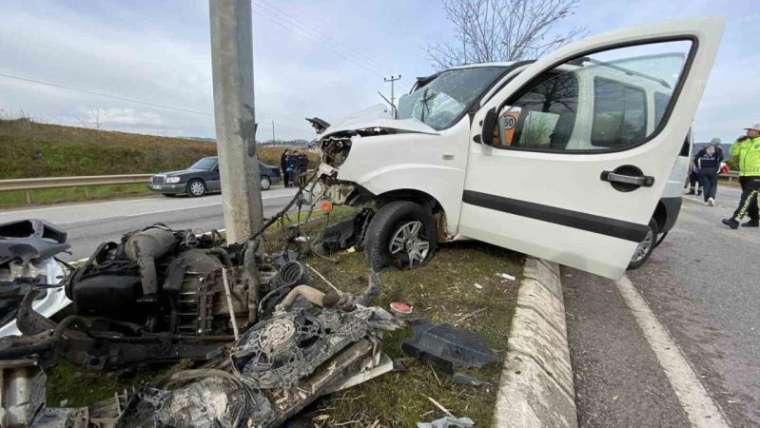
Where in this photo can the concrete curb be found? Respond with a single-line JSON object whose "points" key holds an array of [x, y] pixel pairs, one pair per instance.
{"points": [[537, 379]]}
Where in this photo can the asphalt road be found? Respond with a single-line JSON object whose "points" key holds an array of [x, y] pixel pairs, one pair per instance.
{"points": [[703, 285], [89, 224]]}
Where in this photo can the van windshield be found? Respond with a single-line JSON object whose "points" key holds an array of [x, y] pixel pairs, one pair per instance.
{"points": [[445, 98]]}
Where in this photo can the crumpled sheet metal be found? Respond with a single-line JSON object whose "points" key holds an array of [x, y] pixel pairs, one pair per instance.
{"points": [[280, 366], [278, 352], [208, 403]]}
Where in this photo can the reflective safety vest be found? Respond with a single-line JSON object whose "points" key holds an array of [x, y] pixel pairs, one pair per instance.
{"points": [[747, 154]]}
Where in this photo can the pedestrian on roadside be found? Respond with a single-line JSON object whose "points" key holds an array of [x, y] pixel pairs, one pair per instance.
{"points": [[693, 180], [708, 162], [746, 151], [284, 166]]}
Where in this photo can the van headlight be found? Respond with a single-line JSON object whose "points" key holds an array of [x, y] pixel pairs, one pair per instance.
{"points": [[172, 180]]}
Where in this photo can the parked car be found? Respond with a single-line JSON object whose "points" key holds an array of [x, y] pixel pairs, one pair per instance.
{"points": [[203, 177], [565, 158]]}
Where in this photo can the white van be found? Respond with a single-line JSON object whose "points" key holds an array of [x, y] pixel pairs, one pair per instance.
{"points": [[564, 158]]}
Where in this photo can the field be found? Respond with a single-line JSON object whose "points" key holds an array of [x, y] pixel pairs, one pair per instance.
{"points": [[29, 149]]}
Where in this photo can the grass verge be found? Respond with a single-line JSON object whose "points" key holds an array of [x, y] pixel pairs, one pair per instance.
{"points": [[459, 286]]}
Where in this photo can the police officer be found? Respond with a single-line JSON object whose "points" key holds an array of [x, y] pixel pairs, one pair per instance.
{"points": [[746, 150]]}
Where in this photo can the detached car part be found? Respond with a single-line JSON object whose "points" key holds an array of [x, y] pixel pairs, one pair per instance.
{"points": [[27, 259], [448, 347]]}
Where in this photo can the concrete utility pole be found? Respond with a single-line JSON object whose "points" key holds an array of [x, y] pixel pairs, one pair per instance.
{"points": [[273, 132], [232, 68], [393, 79]]}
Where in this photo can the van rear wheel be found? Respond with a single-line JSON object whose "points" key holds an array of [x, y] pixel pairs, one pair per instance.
{"points": [[645, 247], [402, 235]]}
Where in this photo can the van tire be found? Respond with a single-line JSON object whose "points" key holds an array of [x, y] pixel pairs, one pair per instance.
{"points": [[637, 262], [400, 219]]}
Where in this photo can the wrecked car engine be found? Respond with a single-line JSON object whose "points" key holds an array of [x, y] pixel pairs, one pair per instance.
{"points": [[267, 343]]}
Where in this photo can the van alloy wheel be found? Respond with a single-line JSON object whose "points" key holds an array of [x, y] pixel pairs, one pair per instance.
{"points": [[643, 248], [406, 240]]}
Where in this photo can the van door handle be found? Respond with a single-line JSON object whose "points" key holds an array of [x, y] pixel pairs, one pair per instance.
{"points": [[637, 180]]}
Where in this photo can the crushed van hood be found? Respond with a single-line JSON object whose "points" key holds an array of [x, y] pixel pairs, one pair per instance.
{"points": [[377, 117]]}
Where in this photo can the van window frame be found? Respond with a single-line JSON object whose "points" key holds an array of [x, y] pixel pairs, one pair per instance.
{"points": [[639, 89], [660, 126]]}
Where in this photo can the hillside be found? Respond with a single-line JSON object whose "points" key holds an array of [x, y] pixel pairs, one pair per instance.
{"points": [[29, 149]]}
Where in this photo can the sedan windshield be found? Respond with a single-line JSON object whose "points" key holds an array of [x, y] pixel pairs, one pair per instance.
{"points": [[205, 164], [443, 100]]}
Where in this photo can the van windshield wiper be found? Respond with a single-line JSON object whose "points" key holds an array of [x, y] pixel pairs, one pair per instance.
{"points": [[425, 106]]}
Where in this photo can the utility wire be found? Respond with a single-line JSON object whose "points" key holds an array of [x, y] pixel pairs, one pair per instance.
{"points": [[122, 98], [287, 22], [315, 33], [102, 94]]}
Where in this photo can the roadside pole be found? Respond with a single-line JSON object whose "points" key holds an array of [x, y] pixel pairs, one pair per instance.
{"points": [[232, 68]]}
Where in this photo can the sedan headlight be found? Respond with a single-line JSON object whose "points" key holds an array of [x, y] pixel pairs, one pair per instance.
{"points": [[172, 180]]}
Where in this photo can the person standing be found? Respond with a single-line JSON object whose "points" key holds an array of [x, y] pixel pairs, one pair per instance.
{"points": [[708, 162], [746, 151], [692, 181], [284, 166]]}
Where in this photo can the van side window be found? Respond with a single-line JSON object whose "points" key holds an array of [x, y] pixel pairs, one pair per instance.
{"points": [[599, 102], [548, 112], [620, 114], [661, 102]]}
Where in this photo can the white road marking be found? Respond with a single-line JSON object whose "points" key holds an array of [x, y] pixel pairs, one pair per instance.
{"points": [[218, 204], [699, 407]]}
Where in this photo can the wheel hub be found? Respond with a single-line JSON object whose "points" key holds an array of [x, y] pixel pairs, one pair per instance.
{"points": [[406, 241]]}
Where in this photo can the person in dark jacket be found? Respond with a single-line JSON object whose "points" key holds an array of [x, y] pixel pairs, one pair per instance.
{"points": [[284, 166], [707, 163]]}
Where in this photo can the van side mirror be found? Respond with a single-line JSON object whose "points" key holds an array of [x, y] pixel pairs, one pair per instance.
{"points": [[489, 126]]}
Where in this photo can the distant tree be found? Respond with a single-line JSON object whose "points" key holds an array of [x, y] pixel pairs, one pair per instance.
{"points": [[501, 30]]}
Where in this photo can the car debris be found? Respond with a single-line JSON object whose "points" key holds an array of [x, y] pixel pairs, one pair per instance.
{"points": [[448, 422], [28, 250], [264, 341], [447, 346]]}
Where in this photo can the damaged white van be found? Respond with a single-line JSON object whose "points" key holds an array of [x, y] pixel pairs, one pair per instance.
{"points": [[564, 158]]}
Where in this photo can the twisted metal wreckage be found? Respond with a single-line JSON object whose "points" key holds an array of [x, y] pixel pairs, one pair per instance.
{"points": [[265, 343]]}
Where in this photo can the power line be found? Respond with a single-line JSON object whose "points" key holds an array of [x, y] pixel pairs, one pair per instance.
{"points": [[279, 18], [300, 24], [117, 97], [102, 94]]}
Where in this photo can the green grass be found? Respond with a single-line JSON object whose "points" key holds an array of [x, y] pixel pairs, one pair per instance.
{"points": [[72, 194], [442, 291], [29, 149]]}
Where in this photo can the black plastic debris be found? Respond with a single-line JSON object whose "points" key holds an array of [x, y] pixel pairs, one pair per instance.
{"points": [[348, 233], [27, 240], [448, 347]]}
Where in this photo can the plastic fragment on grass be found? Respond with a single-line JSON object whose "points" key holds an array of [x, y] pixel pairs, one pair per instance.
{"points": [[448, 422], [447, 346], [401, 308]]}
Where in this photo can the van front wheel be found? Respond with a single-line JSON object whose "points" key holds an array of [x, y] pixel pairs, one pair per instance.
{"points": [[402, 235]]}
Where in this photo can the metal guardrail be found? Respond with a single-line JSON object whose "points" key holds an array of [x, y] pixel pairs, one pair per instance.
{"points": [[730, 176], [53, 182], [29, 184]]}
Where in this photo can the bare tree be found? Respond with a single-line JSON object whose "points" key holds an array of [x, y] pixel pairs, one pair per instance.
{"points": [[501, 30]]}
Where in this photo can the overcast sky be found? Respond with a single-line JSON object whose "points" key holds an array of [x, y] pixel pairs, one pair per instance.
{"points": [[311, 58]]}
